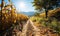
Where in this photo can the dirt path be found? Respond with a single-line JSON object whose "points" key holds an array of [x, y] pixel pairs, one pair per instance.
{"points": [[30, 30]]}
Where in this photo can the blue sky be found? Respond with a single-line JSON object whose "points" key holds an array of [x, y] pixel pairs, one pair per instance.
{"points": [[22, 5]]}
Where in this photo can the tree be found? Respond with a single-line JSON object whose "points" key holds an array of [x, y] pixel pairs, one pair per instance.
{"points": [[45, 4], [2, 4]]}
